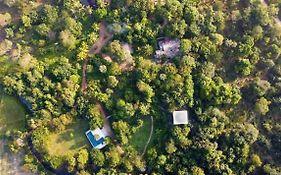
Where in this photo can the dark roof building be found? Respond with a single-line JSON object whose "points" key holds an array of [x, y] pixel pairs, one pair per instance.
{"points": [[168, 48]]}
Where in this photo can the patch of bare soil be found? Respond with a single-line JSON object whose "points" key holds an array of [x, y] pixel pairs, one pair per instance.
{"points": [[106, 125], [11, 164], [104, 37], [242, 81], [127, 66]]}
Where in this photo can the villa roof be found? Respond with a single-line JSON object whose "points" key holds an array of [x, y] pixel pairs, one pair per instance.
{"points": [[96, 138]]}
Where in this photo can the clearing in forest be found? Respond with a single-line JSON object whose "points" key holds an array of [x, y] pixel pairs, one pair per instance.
{"points": [[140, 137], [12, 114], [71, 139]]}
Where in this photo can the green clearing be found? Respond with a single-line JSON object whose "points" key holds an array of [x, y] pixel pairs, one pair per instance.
{"points": [[12, 113], [70, 140], [139, 139]]}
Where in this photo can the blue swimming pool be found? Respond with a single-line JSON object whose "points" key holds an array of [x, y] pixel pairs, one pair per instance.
{"points": [[93, 140]]}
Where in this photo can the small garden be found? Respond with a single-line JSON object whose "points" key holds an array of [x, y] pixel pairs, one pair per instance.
{"points": [[69, 140]]}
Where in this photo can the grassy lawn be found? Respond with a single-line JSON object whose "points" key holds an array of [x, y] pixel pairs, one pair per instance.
{"points": [[139, 139], [12, 113], [64, 142]]}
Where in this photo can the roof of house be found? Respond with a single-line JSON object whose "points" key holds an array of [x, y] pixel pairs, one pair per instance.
{"points": [[93, 3], [84, 2], [180, 117], [96, 138]]}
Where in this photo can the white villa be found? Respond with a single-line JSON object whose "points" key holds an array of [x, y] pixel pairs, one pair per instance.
{"points": [[97, 137]]}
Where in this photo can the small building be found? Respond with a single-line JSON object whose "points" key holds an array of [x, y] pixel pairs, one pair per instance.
{"points": [[168, 48], [96, 138], [180, 117], [93, 3]]}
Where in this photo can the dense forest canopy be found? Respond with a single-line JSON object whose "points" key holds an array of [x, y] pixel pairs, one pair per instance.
{"points": [[85, 65]]}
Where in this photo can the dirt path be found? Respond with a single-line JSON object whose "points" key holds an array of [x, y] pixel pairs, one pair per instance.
{"points": [[106, 126], [104, 37], [241, 82], [150, 136], [84, 76]]}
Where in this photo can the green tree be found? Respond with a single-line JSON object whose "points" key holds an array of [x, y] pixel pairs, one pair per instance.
{"points": [[82, 158], [259, 88], [67, 39], [146, 90], [5, 19], [197, 171], [244, 67], [112, 81], [95, 116], [256, 160], [97, 157], [71, 162], [257, 32], [185, 46], [170, 147], [117, 52], [83, 51], [122, 131], [113, 157], [262, 106]]}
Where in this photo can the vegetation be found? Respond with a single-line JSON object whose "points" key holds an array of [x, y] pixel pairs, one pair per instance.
{"points": [[12, 114], [139, 139], [72, 65]]}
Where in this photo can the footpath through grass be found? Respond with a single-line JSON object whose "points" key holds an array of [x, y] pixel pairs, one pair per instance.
{"points": [[70, 140], [139, 139], [12, 114]]}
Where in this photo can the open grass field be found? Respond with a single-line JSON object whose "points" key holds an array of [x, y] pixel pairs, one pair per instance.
{"points": [[139, 139], [70, 140], [12, 113]]}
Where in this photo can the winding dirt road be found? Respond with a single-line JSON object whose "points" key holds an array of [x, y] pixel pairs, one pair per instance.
{"points": [[104, 37]]}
